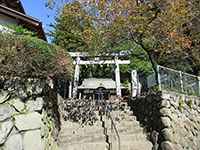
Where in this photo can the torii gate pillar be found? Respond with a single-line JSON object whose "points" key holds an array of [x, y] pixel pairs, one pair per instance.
{"points": [[117, 78], [76, 77]]}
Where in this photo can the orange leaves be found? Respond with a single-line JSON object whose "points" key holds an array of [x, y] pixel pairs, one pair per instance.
{"points": [[183, 41], [168, 27]]}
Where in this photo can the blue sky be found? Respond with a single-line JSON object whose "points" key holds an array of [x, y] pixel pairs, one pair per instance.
{"points": [[37, 9]]}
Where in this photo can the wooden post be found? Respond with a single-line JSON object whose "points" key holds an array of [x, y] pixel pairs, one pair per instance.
{"points": [[76, 77], [70, 90], [134, 82], [117, 78]]}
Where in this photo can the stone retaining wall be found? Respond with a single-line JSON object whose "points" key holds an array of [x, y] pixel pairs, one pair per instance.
{"points": [[180, 117], [173, 119], [29, 118]]}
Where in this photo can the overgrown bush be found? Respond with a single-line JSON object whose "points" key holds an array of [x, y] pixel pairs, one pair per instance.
{"points": [[27, 56], [20, 30]]}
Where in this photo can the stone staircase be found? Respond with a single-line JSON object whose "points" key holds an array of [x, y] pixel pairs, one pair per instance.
{"points": [[131, 134], [73, 136], [101, 136]]}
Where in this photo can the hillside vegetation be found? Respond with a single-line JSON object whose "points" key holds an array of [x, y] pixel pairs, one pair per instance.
{"points": [[27, 56]]}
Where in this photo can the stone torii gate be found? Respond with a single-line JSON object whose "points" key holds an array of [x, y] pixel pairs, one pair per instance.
{"points": [[96, 61]]}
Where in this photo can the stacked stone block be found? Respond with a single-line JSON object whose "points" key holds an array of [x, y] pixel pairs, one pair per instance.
{"points": [[24, 121], [180, 118], [174, 117]]}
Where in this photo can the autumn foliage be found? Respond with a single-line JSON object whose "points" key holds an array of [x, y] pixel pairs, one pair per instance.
{"points": [[167, 30]]}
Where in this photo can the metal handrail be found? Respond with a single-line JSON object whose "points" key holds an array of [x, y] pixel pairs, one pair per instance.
{"points": [[113, 125], [115, 129]]}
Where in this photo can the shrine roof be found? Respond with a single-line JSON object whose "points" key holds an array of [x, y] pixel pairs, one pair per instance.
{"points": [[94, 83]]}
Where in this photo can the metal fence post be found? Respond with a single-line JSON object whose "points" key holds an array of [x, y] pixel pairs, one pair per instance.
{"points": [[198, 86], [181, 81], [159, 79]]}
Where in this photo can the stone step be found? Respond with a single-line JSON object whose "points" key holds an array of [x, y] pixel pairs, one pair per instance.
{"points": [[125, 131], [129, 127], [69, 124], [85, 146], [82, 139], [123, 124], [133, 145], [81, 132], [130, 137], [126, 112], [86, 128], [134, 122], [81, 127]]}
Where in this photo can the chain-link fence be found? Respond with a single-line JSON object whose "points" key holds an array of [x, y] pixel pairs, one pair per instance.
{"points": [[169, 79], [174, 80], [191, 84]]}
